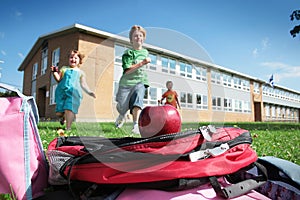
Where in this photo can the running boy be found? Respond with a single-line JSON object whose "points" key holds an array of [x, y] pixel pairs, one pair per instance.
{"points": [[134, 80], [170, 95]]}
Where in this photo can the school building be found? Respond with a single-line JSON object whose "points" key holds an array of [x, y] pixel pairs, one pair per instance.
{"points": [[207, 92]]}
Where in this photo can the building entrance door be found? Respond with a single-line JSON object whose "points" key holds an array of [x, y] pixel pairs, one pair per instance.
{"points": [[41, 102], [257, 112]]}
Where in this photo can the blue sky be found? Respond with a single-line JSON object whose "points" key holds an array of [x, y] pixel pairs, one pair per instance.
{"points": [[248, 36]]}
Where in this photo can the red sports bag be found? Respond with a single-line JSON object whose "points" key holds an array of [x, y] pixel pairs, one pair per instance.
{"points": [[173, 161]]}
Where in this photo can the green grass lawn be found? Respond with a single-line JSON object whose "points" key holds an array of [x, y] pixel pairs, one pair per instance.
{"points": [[281, 140]]}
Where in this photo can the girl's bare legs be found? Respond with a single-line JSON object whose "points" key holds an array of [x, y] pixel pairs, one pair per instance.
{"points": [[70, 116], [59, 114]]}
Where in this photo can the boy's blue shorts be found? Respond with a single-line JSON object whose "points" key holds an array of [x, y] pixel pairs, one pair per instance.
{"points": [[129, 97]]}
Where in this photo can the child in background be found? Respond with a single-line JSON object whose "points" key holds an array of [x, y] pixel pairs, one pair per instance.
{"points": [[68, 94], [170, 95], [134, 80]]}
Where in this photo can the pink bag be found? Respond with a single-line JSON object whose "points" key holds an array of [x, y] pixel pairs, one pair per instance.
{"points": [[23, 167]]}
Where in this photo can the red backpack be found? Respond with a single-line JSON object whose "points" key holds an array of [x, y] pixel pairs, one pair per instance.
{"points": [[170, 162]]}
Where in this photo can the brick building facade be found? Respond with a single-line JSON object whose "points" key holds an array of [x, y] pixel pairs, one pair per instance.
{"points": [[207, 92]]}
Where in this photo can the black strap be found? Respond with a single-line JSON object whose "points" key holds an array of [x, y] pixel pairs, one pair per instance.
{"points": [[242, 187]]}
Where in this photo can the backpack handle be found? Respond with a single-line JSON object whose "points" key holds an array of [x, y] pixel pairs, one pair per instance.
{"points": [[12, 89], [242, 187]]}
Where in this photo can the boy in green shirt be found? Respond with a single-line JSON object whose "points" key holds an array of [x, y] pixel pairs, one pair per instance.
{"points": [[134, 80]]}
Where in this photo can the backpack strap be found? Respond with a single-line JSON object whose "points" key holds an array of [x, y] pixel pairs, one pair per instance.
{"points": [[281, 170], [242, 187]]}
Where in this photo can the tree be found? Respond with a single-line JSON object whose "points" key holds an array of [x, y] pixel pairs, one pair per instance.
{"points": [[295, 16]]}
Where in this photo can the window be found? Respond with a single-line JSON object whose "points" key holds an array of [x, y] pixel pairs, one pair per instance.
{"points": [[52, 94], [55, 57], [153, 63], [150, 96], [168, 65], [227, 104], [172, 66], [186, 99], [185, 70], [164, 64], [267, 110], [201, 101], [256, 87], [44, 60], [34, 70], [273, 113], [227, 80], [245, 84], [237, 83], [238, 106], [119, 50], [246, 107], [33, 89], [183, 99], [215, 77], [200, 73], [216, 103]]}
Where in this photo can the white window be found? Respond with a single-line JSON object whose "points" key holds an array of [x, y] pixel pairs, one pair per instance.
{"points": [[246, 107], [119, 51], [267, 110], [168, 65], [201, 101], [183, 99], [227, 104], [172, 66], [185, 69], [237, 83], [238, 105], [245, 84], [256, 87], [52, 94], [44, 60], [227, 80], [150, 96], [273, 113], [186, 99], [55, 57], [33, 89], [200, 73], [153, 63], [216, 103], [34, 70], [164, 64], [215, 77]]}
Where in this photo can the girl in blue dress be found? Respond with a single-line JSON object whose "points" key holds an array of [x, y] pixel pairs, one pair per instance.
{"points": [[68, 94]]}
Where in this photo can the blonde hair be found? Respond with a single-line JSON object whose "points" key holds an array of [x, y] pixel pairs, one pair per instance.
{"points": [[76, 52], [137, 28]]}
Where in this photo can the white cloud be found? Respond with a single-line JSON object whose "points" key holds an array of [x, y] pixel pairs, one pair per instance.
{"points": [[2, 34], [282, 70], [3, 52], [18, 13], [21, 55], [255, 52], [264, 45]]}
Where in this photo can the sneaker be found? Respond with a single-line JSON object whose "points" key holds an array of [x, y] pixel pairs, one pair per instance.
{"points": [[135, 129], [62, 121], [119, 121]]}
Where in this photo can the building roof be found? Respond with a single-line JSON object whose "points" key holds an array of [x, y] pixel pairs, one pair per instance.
{"points": [[121, 39]]}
